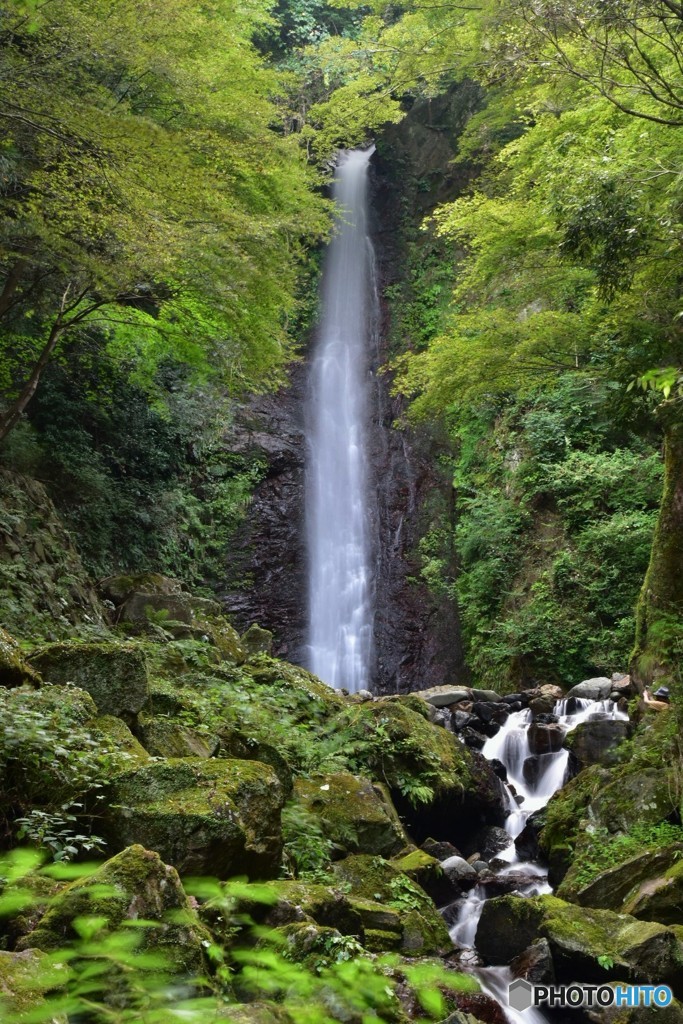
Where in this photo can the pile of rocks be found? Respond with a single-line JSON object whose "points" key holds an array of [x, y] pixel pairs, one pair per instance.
{"points": [[476, 715]]}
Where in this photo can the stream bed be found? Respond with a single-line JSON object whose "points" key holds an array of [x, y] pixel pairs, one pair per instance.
{"points": [[531, 780]]}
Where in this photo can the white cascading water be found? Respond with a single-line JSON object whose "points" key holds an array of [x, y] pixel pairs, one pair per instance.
{"points": [[340, 585], [510, 745]]}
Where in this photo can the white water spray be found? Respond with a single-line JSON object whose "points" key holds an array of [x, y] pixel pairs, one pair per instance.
{"points": [[340, 586], [511, 746]]}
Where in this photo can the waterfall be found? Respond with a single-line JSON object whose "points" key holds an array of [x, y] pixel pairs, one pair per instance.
{"points": [[340, 584], [511, 746]]}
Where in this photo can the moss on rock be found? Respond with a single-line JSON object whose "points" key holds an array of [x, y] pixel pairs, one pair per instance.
{"points": [[114, 673], [117, 737], [14, 669], [659, 898], [162, 737], [265, 669], [617, 887], [439, 786], [25, 978], [639, 951], [378, 881], [134, 885], [428, 873], [354, 813], [563, 818], [216, 816]]}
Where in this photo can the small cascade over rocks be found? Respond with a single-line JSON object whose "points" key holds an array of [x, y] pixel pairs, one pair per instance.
{"points": [[527, 748]]}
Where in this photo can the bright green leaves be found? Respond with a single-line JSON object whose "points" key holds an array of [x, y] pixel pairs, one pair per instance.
{"points": [[142, 169]]}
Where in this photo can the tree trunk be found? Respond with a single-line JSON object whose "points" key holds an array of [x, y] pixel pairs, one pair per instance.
{"points": [[16, 410], [10, 286], [659, 622]]}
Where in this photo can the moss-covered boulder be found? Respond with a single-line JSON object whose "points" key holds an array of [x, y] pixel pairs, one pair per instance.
{"points": [[439, 786], [598, 742], [613, 887], [214, 817], [378, 881], [26, 977], [134, 885], [286, 902], [281, 674], [117, 737], [638, 797], [257, 640], [14, 669], [33, 892], [118, 587], [162, 737], [354, 813], [579, 938], [114, 673], [234, 743], [167, 697], [660, 896], [149, 596], [563, 818], [426, 870]]}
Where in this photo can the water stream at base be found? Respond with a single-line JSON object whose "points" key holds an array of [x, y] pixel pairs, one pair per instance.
{"points": [[524, 796], [339, 555]]}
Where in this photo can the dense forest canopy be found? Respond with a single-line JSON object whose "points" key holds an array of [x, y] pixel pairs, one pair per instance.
{"points": [[161, 187]]}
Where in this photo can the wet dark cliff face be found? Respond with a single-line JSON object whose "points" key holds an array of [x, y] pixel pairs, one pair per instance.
{"points": [[266, 571], [416, 634]]}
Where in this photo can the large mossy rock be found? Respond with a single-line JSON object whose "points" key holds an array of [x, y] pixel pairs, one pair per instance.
{"points": [[117, 737], [14, 669], [375, 881], [318, 699], [134, 885], [563, 818], [427, 871], [287, 902], [213, 817], [660, 896], [639, 797], [612, 888], [355, 814], [26, 977], [143, 597], [162, 737], [114, 673], [440, 787], [597, 742], [169, 609], [640, 951]]}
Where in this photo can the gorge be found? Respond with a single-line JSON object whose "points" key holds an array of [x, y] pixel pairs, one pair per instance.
{"points": [[341, 617]]}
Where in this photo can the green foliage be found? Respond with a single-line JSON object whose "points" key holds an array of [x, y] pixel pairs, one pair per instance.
{"points": [[602, 849], [307, 852], [122, 976], [47, 753], [148, 196], [56, 832], [138, 486], [555, 515]]}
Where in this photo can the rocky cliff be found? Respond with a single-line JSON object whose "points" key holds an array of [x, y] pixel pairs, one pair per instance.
{"points": [[416, 634]]}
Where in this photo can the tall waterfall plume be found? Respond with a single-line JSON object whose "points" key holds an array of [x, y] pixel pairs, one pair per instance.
{"points": [[339, 548]]}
